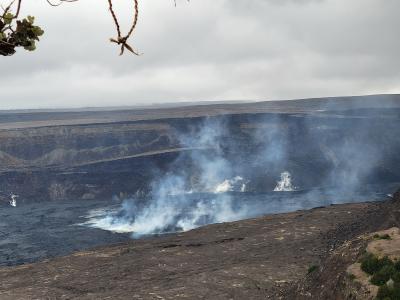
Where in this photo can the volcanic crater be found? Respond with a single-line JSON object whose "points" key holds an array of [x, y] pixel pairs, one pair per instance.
{"points": [[224, 201]]}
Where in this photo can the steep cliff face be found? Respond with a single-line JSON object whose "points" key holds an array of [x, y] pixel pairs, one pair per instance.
{"points": [[73, 145], [319, 148]]}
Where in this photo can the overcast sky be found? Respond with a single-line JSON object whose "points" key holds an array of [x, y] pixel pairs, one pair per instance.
{"points": [[206, 50]]}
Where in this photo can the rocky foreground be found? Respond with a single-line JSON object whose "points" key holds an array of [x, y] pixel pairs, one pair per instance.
{"points": [[301, 255]]}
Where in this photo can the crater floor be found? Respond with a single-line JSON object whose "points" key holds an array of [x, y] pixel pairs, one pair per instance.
{"points": [[31, 232]]}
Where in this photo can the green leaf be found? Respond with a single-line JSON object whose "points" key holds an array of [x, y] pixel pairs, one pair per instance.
{"points": [[31, 46], [8, 18], [30, 19], [37, 31]]}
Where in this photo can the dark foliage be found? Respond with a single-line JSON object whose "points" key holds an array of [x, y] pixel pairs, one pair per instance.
{"points": [[371, 264], [17, 33], [387, 293], [383, 270], [312, 269], [382, 237], [383, 275]]}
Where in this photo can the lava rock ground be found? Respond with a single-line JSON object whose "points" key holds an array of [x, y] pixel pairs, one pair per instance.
{"points": [[263, 258]]}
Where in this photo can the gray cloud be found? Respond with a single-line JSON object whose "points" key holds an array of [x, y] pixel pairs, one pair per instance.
{"points": [[207, 50]]}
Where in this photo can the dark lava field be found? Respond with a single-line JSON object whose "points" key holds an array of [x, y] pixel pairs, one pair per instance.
{"points": [[36, 231]]}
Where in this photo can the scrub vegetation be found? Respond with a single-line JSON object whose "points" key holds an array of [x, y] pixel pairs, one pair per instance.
{"points": [[385, 273]]}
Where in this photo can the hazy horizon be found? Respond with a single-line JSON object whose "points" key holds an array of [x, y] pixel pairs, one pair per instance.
{"points": [[171, 104]]}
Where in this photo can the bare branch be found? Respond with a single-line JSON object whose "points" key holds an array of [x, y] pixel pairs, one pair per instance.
{"points": [[122, 40]]}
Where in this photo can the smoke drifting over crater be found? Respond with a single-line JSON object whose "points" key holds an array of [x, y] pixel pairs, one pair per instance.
{"points": [[183, 199], [264, 166]]}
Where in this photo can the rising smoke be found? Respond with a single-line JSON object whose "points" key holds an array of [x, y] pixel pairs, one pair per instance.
{"points": [[170, 207], [215, 187], [285, 184]]}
